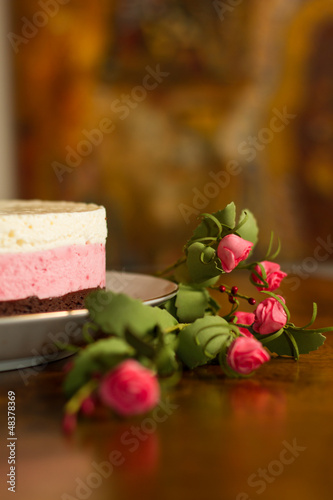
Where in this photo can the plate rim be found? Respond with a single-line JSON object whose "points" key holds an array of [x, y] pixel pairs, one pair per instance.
{"points": [[19, 321], [81, 313]]}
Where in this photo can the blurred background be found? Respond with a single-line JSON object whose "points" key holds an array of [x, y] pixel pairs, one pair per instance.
{"points": [[161, 110]]}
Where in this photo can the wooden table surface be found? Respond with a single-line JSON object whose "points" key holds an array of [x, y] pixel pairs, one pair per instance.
{"points": [[268, 437]]}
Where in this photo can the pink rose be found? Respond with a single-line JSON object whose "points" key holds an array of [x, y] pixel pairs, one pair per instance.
{"points": [[270, 316], [244, 318], [130, 389], [232, 250], [246, 355], [273, 273]]}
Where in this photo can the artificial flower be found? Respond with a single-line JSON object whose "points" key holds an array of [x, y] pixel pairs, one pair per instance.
{"points": [[232, 250], [246, 355], [274, 275], [130, 389], [244, 318], [270, 316]]}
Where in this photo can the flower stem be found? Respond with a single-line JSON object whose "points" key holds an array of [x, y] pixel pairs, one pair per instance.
{"points": [[74, 404], [168, 269], [229, 292], [179, 326]]}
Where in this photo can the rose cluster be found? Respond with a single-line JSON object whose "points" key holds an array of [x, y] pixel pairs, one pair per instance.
{"points": [[246, 353], [141, 344]]}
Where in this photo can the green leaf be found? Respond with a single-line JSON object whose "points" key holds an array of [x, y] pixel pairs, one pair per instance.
{"points": [[191, 303], [115, 313], [165, 360], [142, 345], [202, 263], [201, 341], [249, 230], [207, 228], [170, 306], [165, 356], [227, 216], [182, 275], [159, 349], [101, 356], [305, 340], [213, 306]]}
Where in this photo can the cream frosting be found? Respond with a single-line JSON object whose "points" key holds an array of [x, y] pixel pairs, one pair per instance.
{"points": [[35, 225]]}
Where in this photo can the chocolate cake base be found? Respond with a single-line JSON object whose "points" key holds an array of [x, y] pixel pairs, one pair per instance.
{"points": [[32, 305]]}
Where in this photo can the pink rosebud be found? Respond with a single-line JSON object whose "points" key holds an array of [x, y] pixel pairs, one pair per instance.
{"points": [[130, 389], [244, 318], [246, 355], [88, 406], [273, 273], [69, 423], [270, 316], [232, 250]]}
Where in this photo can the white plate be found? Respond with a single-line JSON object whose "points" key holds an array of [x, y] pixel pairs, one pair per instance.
{"points": [[29, 340]]}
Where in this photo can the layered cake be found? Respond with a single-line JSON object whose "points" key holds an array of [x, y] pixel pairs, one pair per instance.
{"points": [[52, 254]]}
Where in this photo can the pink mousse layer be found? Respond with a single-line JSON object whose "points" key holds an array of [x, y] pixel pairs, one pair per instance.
{"points": [[51, 273]]}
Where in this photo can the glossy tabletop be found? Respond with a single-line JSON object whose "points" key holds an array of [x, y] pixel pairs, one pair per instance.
{"points": [[268, 437]]}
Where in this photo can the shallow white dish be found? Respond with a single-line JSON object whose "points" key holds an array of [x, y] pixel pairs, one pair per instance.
{"points": [[29, 340]]}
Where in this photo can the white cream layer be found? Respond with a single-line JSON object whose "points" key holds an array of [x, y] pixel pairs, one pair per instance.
{"points": [[34, 225]]}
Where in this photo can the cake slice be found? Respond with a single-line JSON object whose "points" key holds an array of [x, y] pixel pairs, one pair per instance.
{"points": [[52, 254]]}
